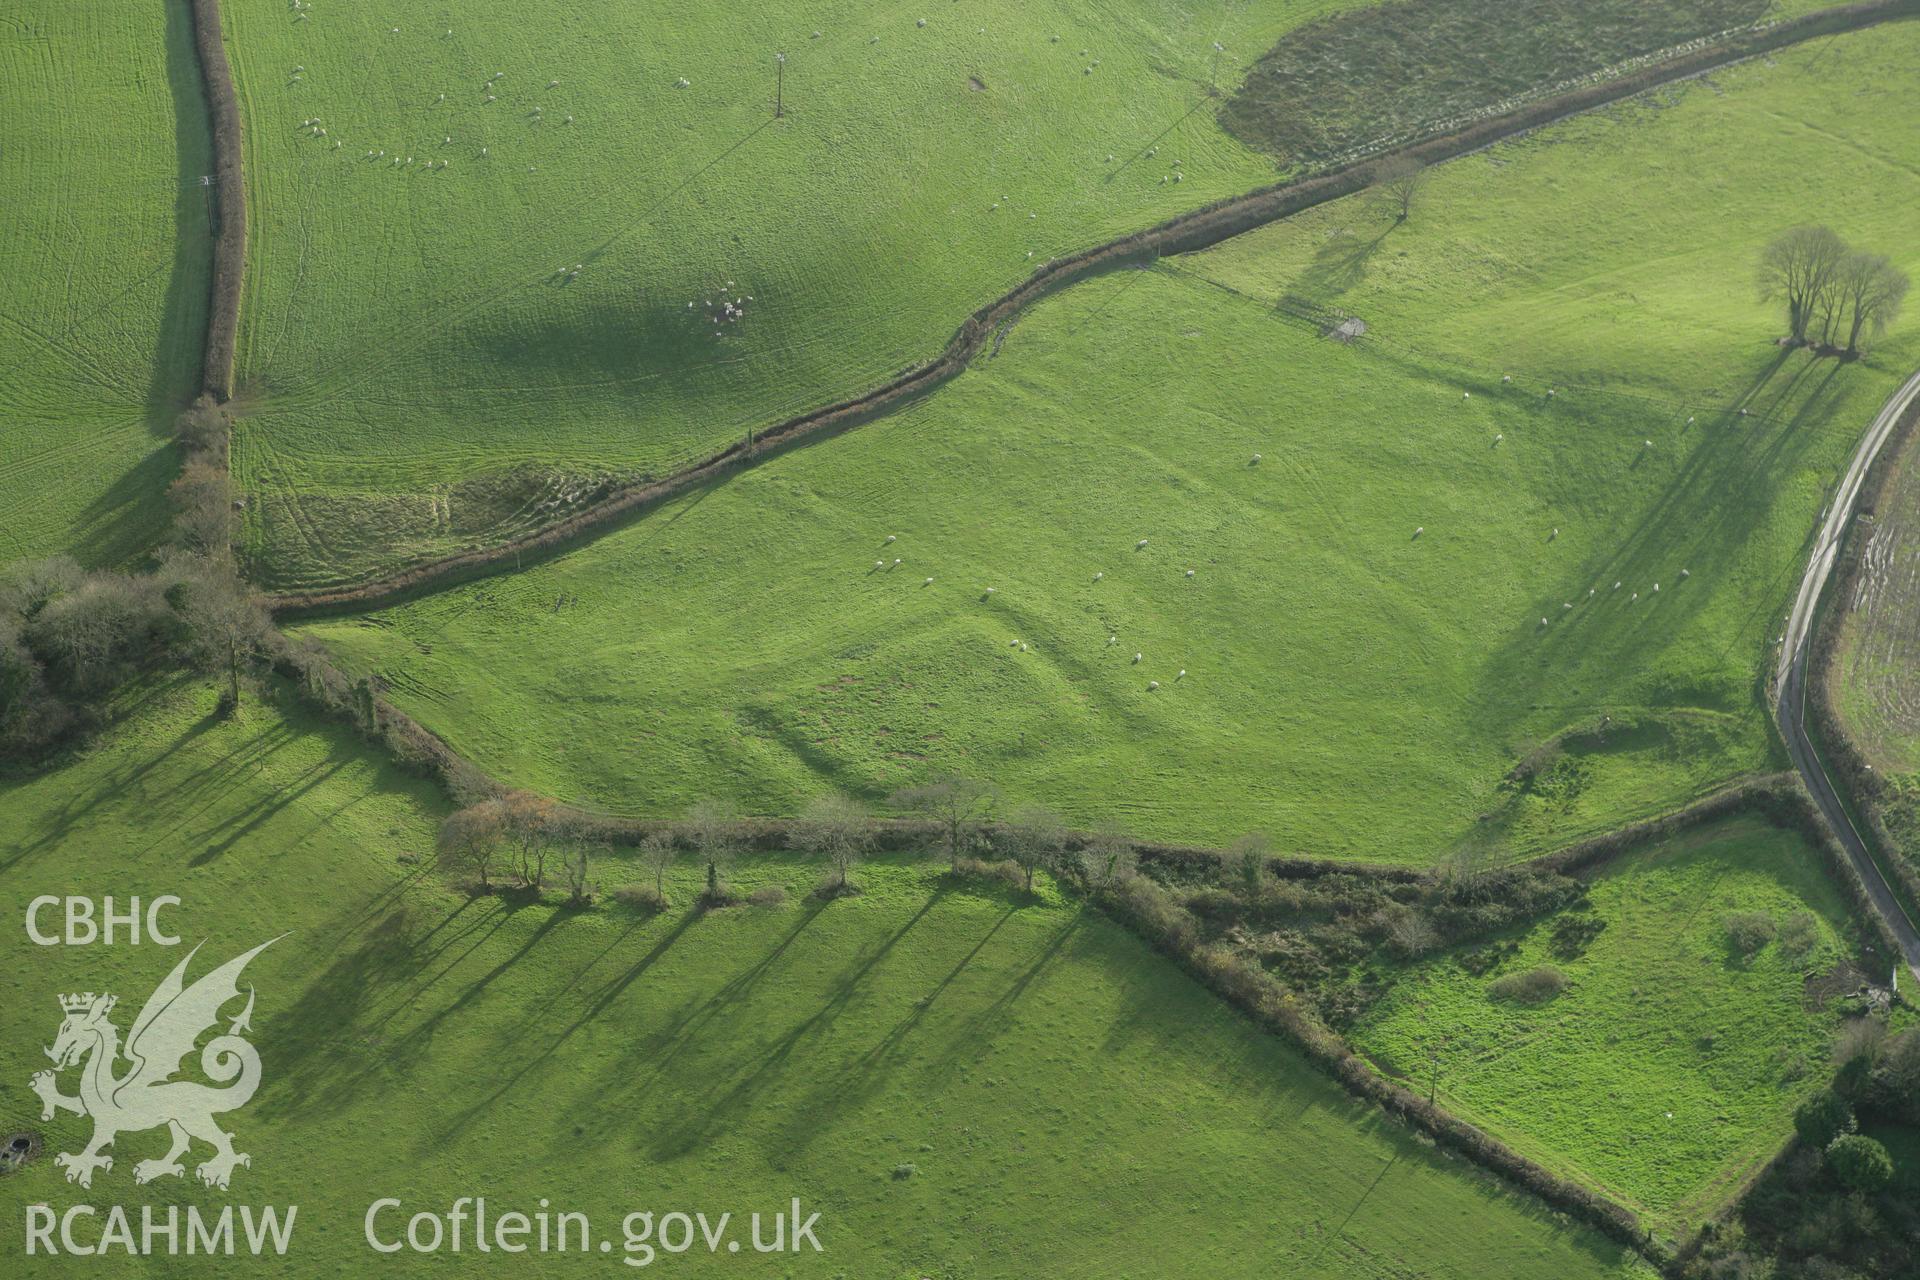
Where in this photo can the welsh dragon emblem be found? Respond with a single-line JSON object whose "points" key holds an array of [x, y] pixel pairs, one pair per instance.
{"points": [[145, 1095]]}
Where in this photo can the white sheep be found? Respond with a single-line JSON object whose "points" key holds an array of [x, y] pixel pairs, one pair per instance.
{"points": [[1685, 573], [896, 559], [1136, 659], [989, 589], [1140, 545], [1112, 640], [1256, 459], [1566, 606], [879, 564], [1099, 575], [1499, 436], [1543, 622], [1420, 530], [927, 583], [1646, 444], [1633, 597], [1182, 675], [891, 536], [1506, 377], [553, 84], [1553, 535], [1616, 586], [1023, 646], [1189, 573], [1152, 685], [1656, 586], [1551, 393]]}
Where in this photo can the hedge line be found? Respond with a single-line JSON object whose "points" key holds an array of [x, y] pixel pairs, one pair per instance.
{"points": [[1199, 229], [1152, 913], [230, 202], [1845, 758]]}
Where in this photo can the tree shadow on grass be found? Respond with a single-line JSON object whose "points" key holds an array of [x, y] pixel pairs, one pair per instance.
{"points": [[698, 1122], [851, 1087], [1338, 266], [1700, 519], [596, 1005]]}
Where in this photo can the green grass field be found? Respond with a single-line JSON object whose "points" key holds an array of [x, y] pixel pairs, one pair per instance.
{"points": [[1354, 690], [103, 271], [1070, 1103], [419, 374], [1669, 1069]]}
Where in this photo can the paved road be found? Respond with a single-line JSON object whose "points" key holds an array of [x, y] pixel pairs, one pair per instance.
{"points": [[1792, 682]]}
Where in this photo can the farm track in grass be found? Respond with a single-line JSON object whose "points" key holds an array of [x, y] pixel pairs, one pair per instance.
{"points": [[929, 1065], [103, 271], [332, 462], [1358, 689]]}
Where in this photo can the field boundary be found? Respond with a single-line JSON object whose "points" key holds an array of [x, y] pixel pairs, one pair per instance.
{"points": [[1198, 229], [229, 202]]}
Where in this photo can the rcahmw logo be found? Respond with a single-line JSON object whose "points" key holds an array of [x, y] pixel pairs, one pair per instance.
{"points": [[147, 1095]]}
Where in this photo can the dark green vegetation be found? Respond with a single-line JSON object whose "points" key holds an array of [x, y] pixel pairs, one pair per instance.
{"points": [[1848, 1196], [104, 263], [1067, 1101], [1350, 83], [1354, 688]]}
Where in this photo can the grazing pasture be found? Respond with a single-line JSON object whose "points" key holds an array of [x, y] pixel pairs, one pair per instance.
{"points": [[1404, 563], [492, 255], [1668, 1069], [961, 1081], [104, 264]]}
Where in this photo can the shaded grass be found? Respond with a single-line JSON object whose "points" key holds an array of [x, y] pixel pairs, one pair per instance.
{"points": [[103, 271], [1070, 1102]]}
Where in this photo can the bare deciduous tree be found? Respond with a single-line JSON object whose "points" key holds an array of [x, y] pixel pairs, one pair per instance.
{"points": [[960, 805], [1869, 290], [228, 629], [203, 509], [658, 849], [575, 865], [531, 826], [1400, 180], [713, 828], [839, 830], [470, 839], [1035, 839], [1798, 267]]}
